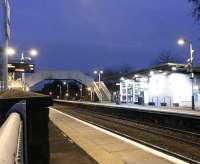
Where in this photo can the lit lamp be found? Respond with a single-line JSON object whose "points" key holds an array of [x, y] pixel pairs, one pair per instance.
{"points": [[183, 42], [10, 51], [33, 52], [151, 73], [100, 72], [91, 93]]}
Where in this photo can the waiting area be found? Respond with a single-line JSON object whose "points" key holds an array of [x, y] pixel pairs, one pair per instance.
{"points": [[168, 85]]}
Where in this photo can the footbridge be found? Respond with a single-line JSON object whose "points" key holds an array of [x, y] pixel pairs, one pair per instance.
{"points": [[101, 90]]}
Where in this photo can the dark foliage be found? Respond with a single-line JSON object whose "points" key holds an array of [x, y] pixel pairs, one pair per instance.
{"points": [[196, 11], [166, 57], [111, 76]]}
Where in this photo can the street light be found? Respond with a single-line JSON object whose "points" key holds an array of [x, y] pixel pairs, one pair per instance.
{"points": [[66, 84], [174, 68], [33, 52], [182, 42], [60, 90], [91, 93], [151, 73], [10, 51], [81, 91], [99, 72]]}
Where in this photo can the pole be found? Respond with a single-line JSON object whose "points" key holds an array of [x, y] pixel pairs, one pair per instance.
{"points": [[91, 94], [23, 74], [60, 91], [193, 104], [99, 79], [192, 74], [4, 57], [81, 91], [67, 90]]}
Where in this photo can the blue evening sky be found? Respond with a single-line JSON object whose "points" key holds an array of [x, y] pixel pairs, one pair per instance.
{"points": [[89, 34]]}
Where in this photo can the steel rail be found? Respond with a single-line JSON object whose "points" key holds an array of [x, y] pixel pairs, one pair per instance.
{"points": [[138, 126]]}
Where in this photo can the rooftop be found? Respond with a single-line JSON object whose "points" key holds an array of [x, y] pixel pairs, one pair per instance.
{"points": [[175, 67]]}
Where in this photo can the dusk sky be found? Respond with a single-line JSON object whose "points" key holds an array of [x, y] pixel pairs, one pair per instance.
{"points": [[89, 34]]}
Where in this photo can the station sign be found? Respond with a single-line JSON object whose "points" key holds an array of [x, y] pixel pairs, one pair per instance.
{"points": [[21, 67]]}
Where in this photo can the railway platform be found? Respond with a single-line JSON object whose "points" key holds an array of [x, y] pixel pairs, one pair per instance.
{"points": [[62, 149], [106, 147], [179, 111]]}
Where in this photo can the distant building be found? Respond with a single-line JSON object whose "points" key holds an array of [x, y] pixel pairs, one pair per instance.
{"points": [[165, 85]]}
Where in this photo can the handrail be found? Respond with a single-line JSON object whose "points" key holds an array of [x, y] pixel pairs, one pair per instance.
{"points": [[106, 91], [13, 136], [9, 135], [98, 92]]}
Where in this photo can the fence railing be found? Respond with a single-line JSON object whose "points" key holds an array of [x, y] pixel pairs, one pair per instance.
{"points": [[106, 91]]}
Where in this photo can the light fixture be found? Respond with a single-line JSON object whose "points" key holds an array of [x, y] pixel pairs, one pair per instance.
{"points": [[181, 41], [33, 52], [89, 89], [10, 51], [122, 79], [136, 76], [27, 89], [174, 68], [151, 73]]}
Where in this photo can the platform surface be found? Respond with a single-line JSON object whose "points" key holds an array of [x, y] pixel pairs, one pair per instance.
{"points": [[63, 149], [175, 111], [106, 147]]}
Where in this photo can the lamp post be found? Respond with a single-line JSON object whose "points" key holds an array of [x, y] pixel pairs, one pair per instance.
{"points": [[81, 91], [9, 51], [99, 72], [190, 61], [66, 84], [91, 93], [6, 38], [60, 90], [31, 53]]}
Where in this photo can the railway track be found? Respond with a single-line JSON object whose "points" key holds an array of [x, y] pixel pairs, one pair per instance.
{"points": [[182, 144], [157, 131]]}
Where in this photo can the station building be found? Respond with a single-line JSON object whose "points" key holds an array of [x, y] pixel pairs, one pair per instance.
{"points": [[164, 85]]}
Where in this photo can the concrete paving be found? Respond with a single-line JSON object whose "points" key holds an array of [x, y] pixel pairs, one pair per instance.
{"points": [[63, 149], [106, 147]]}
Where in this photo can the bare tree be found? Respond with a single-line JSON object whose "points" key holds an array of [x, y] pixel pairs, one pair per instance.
{"points": [[166, 57], [112, 75], [116, 73], [196, 11]]}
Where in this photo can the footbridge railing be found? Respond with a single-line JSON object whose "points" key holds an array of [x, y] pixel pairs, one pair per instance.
{"points": [[71, 75]]}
